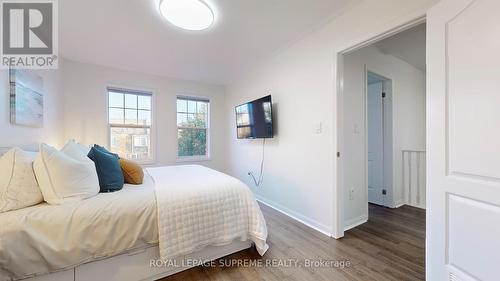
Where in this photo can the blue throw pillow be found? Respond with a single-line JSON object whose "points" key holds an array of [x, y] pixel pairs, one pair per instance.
{"points": [[102, 149], [108, 168]]}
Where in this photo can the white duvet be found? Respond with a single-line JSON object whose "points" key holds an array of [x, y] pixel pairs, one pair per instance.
{"points": [[48, 238], [194, 207], [198, 206]]}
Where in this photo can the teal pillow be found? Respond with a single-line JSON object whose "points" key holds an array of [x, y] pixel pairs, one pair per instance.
{"points": [[102, 149], [108, 169]]}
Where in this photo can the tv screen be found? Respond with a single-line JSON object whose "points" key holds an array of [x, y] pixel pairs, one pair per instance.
{"points": [[254, 120]]}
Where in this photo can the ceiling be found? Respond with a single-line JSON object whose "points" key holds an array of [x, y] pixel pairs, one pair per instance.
{"points": [[131, 35], [408, 46]]}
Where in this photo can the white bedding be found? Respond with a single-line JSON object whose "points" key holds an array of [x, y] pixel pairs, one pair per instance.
{"points": [[45, 238], [198, 206]]}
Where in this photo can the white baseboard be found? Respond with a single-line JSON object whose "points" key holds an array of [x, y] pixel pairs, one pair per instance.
{"points": [[296, 216], [352, 223], [398, 204], [417, 206], [402, 204]]}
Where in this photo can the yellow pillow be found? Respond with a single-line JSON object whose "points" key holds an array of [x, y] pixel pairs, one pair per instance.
{"points": [[132, 172]]}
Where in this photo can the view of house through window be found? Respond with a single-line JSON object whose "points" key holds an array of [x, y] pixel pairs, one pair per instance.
{"points": [[130, 123], [192, 127]]}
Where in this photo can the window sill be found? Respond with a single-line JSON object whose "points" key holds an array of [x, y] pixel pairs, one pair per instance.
{"points": [[192, 159]]}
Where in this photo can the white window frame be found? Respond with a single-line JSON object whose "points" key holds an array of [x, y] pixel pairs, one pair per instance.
{"points": [[152, 127], [197, 158]]}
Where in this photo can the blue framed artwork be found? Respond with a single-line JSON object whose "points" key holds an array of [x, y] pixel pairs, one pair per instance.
{"points": [[26, 98]]}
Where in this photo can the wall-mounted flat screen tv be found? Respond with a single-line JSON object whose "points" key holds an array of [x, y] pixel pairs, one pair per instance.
{"points": [[254, 120]]}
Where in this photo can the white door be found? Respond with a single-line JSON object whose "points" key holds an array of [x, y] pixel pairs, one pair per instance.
{"points": [[375, 143], [463, 137]]}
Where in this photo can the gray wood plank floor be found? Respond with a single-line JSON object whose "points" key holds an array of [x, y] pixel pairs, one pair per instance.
{"points": [[390, 246]]}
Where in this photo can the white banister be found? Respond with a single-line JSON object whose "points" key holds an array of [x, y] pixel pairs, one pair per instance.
{"points": [[413, 177]]}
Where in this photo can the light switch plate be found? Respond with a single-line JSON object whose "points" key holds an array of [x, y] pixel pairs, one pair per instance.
{"points": [[319, 128], [356, 129]]}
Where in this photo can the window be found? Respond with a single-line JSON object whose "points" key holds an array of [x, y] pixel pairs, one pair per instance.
{"points": [[130, 124], [192, 127]]}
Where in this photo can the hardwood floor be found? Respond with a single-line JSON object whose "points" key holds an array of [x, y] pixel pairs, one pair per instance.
{"points": [[390, 246]]}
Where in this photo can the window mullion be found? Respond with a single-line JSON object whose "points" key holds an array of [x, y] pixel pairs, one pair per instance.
{"points": [[124, 108], [137, 108]]}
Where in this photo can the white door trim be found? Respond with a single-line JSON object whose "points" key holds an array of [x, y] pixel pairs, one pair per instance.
{"points": [[409, 22]]}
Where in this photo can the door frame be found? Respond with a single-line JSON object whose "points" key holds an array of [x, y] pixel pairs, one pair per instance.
{"points": [[339, 55]]}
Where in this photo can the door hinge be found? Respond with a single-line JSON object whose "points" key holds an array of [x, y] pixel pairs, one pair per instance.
{"points": [[383, 95], [384, 192], [338, 154]]}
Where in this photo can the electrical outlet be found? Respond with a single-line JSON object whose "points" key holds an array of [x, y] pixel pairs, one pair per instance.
{"points": [[351, 194]]}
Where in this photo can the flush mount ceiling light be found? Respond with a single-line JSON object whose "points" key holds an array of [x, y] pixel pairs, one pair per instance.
{"points": [[187, 14]]}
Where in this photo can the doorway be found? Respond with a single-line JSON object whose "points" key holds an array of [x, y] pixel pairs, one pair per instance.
{"points": [[381, 122]]}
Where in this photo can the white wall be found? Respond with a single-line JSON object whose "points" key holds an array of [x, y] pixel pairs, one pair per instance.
{"points": [[85, 112], [408, 112], [51, 133], [300, 176]]}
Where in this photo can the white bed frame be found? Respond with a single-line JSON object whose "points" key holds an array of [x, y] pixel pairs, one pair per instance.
{"points": [[135, 266]]}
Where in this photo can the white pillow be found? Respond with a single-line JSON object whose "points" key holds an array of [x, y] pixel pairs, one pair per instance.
{"points": [[67, 175], [18, 186], [84, 148]]}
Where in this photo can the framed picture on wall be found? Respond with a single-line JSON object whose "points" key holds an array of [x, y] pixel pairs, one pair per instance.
{"points": [[26, 98]]}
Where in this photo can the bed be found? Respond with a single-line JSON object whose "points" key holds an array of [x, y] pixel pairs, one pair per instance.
{"points": [[184, 213]]}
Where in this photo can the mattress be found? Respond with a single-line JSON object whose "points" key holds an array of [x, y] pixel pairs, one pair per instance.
{"points": [[45, 238]]}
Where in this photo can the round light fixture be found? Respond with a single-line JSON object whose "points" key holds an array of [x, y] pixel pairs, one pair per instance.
{"points": [[187, 14]]}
